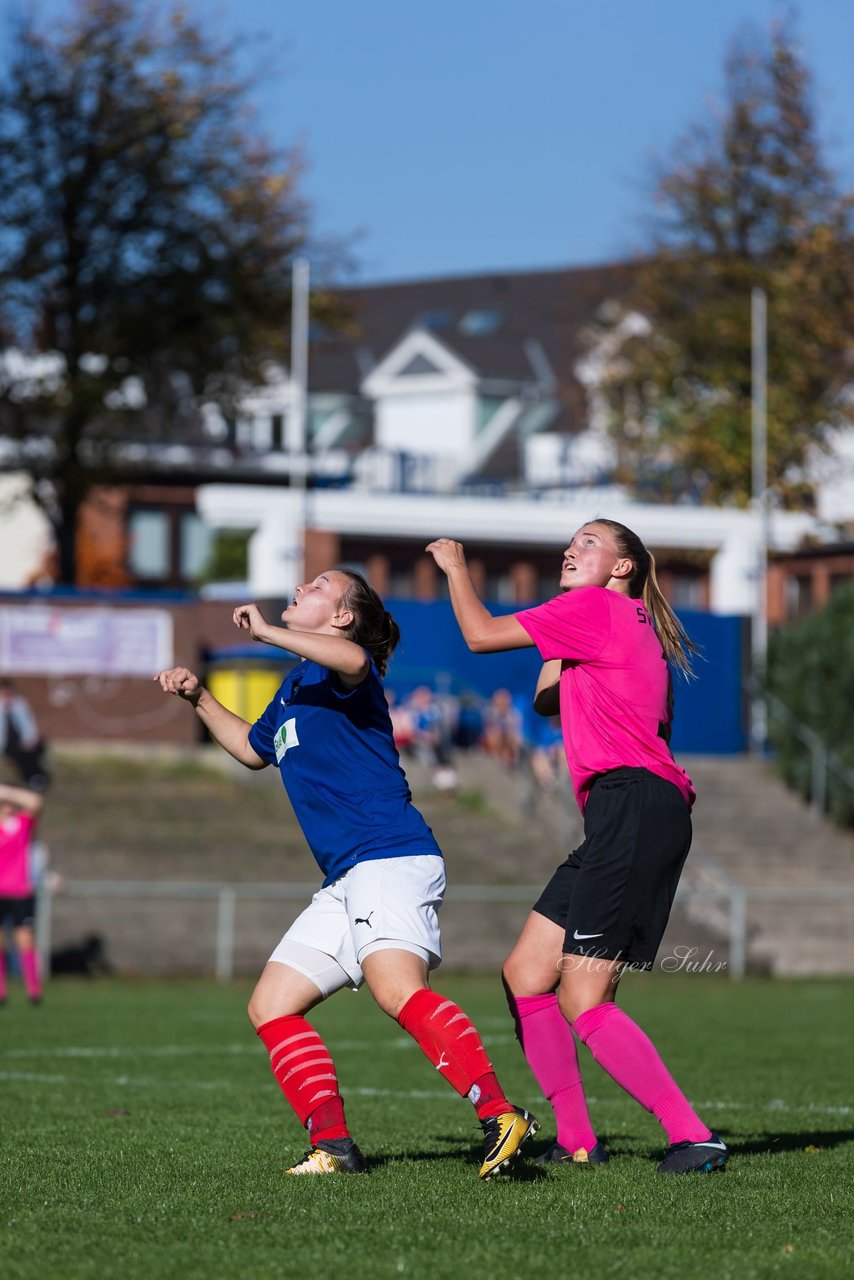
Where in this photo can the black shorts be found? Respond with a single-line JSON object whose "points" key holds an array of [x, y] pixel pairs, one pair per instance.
{"points": [[18, 911], [614, 892]]}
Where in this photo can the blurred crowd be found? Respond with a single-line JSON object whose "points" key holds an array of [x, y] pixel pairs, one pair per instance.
{"points": [[433, 727]]}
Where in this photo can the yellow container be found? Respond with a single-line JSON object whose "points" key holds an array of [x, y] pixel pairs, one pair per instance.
{"points": [[246, 689]]}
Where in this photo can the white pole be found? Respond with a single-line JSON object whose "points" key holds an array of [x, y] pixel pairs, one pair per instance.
{"points": [[298, 419], [226, 905], [759, 454]]}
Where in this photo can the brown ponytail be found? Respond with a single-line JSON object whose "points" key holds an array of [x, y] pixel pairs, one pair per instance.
{"points": [[643, 584], [372, 627]]}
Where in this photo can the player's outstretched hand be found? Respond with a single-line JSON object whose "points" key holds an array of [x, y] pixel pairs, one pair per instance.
{"points": [[248, 617], [447, 554], [181, 682]]}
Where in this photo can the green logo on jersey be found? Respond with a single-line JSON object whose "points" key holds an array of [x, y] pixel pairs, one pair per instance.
{"points": [[285, 738]]}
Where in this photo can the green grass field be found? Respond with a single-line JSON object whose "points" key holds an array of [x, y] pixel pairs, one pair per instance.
{"points": [[143, 1136]]}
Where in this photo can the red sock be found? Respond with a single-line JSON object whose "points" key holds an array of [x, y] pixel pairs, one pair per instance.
{"points": [[305, 1073], [451, 1042]]}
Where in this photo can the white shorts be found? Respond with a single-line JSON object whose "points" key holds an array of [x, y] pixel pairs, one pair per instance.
{"points": [[378, 904]]}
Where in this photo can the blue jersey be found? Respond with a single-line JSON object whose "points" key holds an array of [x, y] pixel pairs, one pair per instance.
{"points": [[336, 754]]}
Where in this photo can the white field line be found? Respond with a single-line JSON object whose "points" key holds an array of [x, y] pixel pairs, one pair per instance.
{"points": [[777, 1106], [189, 1051]]}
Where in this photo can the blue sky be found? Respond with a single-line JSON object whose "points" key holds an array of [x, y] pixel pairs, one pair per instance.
{"points": [[460, 136]]}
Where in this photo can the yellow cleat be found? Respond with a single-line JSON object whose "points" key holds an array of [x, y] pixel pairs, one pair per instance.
{"points": [[338, 1155], [503, 1138]]}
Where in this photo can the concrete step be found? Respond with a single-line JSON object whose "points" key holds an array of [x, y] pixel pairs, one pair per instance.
{"points": [[763, 837]]}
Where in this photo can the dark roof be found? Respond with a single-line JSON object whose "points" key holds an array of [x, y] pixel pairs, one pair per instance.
{"points": [[550, 307]]}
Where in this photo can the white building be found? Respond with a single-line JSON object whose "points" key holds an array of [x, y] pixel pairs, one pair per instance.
{"points": [[467, 407]]}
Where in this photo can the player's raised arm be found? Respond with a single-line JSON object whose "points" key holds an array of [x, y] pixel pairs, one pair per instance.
{"points": [[482, 632], [229, 730], [348, 660], [22, 798]]}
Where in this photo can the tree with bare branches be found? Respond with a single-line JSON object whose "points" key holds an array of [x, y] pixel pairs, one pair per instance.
{"points": [[745, 201], [148, 233]]}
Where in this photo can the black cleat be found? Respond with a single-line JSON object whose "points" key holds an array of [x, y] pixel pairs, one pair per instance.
{"points": [[556, 1154], [695, 1157]]}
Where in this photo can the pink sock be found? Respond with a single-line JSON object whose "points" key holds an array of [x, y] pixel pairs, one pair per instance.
{"points": [[549, 1045], [30, 973], [630, 1058]]}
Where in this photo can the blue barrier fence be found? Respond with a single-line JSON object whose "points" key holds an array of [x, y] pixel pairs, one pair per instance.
{"points": [[709, 717], [710, 713]]}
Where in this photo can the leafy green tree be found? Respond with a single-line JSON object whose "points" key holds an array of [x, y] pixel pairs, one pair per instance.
{"points": [[228, 560], [811, 672], [148, 237], [746, 201]]}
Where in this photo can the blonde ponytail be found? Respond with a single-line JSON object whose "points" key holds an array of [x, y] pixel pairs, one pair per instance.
{"points": [[643, 584]]}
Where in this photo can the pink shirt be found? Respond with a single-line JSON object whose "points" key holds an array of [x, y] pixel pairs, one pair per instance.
{"points": [[15, 877], [613, 685]]}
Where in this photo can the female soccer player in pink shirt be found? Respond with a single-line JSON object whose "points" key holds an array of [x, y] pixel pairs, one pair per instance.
{"points": [[606, 642], [19, 811]]}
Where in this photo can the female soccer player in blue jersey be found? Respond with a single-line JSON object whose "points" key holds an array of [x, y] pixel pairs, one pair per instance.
{"points": [[329, 732]]}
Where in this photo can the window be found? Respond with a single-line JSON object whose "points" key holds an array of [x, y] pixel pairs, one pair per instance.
{"points": [[479, 323], [168, 546], [227, 558], [487, 407], [434, 320], [149, 549], [277, 432], [799, 595], [686, 591], [195, 539]]}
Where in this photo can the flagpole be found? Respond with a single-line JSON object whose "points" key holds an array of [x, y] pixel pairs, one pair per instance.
{"points": [[760, 505]]}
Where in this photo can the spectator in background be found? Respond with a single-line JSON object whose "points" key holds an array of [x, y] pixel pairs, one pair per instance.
{"points": [[402, 723], [547, 754], [19, 811], [502, 729], [469, 729], [431, 738], [20, 740]]}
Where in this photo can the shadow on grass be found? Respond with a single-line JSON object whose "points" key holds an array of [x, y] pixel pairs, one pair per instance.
{"points": [[445, 1147], [772, 1144], [521, 1170]]}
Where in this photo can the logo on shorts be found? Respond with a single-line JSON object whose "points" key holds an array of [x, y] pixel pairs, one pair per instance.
{"points": [[581, 937], [366, 920]]}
